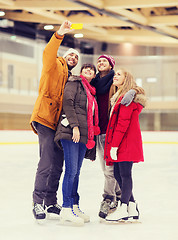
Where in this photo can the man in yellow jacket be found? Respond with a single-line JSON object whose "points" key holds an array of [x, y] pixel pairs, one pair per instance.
{"points": [[44, 122]]}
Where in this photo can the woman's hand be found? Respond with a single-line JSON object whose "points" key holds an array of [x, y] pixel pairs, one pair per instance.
{"points": [[128, 97], [76, 135], [113, 153]]}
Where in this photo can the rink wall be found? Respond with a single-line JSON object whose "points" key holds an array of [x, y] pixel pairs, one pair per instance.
{"points": [[20, 69], [13, 137]]}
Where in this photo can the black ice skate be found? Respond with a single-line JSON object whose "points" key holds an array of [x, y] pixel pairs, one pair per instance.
{"points": [[38, 212], [53, 211], [104, 208]]}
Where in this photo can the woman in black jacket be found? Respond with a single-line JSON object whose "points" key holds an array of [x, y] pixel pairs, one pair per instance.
{"points": [[76, 130]]}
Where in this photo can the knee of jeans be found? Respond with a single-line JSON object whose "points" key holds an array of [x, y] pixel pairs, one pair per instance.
{"points": [[71, 172]]}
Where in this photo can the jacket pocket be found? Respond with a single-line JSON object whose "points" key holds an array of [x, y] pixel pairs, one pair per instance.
{"points": [[49, 110]]}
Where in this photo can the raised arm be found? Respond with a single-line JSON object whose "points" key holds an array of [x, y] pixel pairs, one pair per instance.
{"points": [[50, 51]]}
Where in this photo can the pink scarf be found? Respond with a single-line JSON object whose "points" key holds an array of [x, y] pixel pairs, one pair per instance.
{"points": [[93, 128]]}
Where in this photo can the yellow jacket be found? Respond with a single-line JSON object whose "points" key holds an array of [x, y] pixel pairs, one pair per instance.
{"points": [[54, 75]]}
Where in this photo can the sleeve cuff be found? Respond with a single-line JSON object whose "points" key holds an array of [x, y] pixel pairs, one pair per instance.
{"points": [[58, 36]]}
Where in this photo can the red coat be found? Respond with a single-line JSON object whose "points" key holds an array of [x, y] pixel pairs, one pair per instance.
{"points": [[124, 132]]}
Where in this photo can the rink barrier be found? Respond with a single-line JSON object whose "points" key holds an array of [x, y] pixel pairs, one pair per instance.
{"points": [[23, 143], [17, 143]]}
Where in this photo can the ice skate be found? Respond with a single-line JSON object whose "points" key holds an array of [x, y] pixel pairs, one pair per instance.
{"points": [[113, 206], [39, 213], [104, 208], [119, 215], [67, 217], [53, 211], [81, 214], [133, 211]]}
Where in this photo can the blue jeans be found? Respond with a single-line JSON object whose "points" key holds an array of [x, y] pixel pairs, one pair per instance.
{"points": [[74, 154]]}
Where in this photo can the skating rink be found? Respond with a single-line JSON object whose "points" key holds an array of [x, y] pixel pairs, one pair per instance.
{"points": [[155, 190]]}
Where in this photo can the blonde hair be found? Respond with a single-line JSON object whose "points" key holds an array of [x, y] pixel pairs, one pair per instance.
{"points": [[129, 83]]}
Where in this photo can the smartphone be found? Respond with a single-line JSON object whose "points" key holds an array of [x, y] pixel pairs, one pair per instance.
{"points": [[65, 122], [76, 26]]}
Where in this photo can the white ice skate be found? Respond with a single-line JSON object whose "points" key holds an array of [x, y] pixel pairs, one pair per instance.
{"points": [[133, 210], [67, 217], [81, 214], [120, 214]]}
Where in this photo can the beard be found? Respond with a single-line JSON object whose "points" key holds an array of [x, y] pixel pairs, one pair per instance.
{"points": [[70, 67]]}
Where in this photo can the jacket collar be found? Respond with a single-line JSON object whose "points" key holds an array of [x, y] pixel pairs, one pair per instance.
{"points": [[73, 78]]}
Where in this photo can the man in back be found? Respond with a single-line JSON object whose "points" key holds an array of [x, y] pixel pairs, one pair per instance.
{"points": [[102, 82]]}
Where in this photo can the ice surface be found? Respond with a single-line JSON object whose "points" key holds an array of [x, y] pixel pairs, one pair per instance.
{"points": [[155, 189]]}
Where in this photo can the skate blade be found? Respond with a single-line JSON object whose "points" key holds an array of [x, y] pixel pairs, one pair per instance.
{"points": [[134, 221], [70, 223], [102, 220], [40, 221], [115, 222], [86, 220], [52, 216], [130, 221]]}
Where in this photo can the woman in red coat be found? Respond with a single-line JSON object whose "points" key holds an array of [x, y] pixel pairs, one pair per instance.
{"points": [[123, 145]]}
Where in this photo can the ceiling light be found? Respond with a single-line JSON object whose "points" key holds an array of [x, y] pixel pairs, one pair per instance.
{"points": [[151, 79], [2, 13], [48, 27], [139, 82], [4, 23], [78, 35]]}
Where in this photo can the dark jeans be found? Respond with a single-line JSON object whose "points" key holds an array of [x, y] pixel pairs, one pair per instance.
{"points": [[123, 175], [73, 155], [49, 168]]}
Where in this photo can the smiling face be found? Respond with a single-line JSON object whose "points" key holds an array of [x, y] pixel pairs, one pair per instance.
{"points": [[103, 65], [72, 60], [118, 78], [88, 73]]}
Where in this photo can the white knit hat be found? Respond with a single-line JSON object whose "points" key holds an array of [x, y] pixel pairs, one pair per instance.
{"points": [[71, 50]]}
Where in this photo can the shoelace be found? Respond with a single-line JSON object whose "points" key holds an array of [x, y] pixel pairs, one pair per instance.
{"points": [[57, 206], [105, 206], [113, 204], [80, 211], [39, 209], [74, 213]]}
